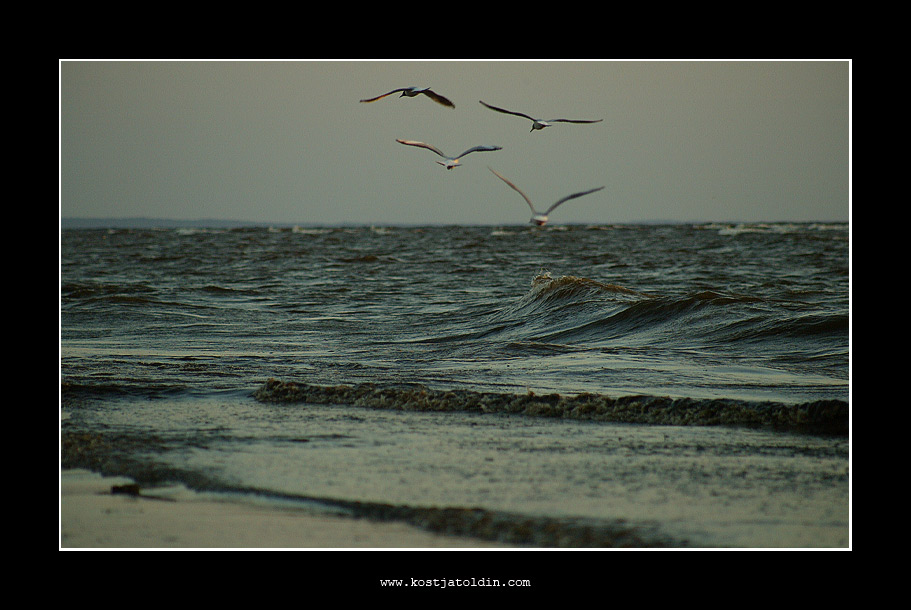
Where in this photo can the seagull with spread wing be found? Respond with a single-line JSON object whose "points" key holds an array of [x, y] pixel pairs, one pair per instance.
{"points": [[450, 162], [414, 92], [539, 218], [539, 123]]}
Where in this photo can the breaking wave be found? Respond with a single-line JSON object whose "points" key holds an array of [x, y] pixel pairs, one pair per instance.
{"points": [[829, 417]]}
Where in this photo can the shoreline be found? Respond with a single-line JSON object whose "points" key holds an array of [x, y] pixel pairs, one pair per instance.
{"points": [[100, 512]]}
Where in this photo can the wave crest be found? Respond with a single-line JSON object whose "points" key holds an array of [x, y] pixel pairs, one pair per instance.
{"points": [[567, 286], [818, 417]]}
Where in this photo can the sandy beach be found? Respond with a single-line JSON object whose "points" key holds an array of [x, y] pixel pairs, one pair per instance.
{"points": [[93, 516]]}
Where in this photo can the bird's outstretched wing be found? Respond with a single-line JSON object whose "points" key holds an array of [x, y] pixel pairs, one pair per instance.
{"points": [[379, 97], [516, 189], [573, 196], [479, 149], [573, 121], [421, 145], [438, 98], [503, 110]]}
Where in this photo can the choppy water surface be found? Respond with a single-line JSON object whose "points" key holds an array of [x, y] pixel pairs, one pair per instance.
{"points": [[166, 336]]}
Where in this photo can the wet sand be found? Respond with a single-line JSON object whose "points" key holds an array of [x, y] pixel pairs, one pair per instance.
{"points": [[92, 516]]}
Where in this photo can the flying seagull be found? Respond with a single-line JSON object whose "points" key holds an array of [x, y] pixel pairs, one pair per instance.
{"points": [[539, 123], [538, 218], [414, 92], [450, 161]]}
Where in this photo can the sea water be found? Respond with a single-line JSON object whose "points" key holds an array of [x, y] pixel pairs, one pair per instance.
{"points": [[392, 371]]}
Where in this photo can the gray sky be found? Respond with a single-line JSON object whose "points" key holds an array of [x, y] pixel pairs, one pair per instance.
{"points": [[289, 142]]}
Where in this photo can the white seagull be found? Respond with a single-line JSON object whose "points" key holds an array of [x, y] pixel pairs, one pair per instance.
{"points": [[414, 92], [540, 123], [450, 161], [538, 218]]}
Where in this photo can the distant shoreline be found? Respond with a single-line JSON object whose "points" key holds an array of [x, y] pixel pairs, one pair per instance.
{"points": [[212, 223]]}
